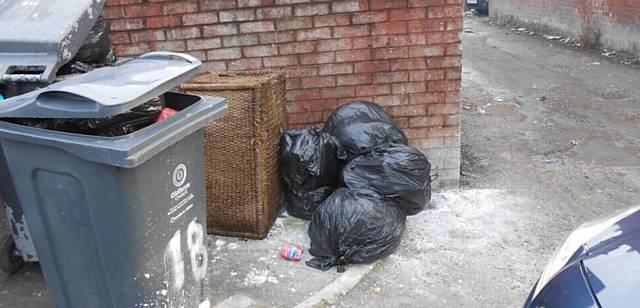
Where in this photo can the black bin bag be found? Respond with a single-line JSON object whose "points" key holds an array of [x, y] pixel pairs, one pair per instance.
{"points": [[361, 138], [354, 228], [353, 113], [310, 169], [361, 126], [398, 173]]}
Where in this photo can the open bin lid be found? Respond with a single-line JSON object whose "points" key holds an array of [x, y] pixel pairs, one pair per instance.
{"points": [[37, 37], [106, 91]]}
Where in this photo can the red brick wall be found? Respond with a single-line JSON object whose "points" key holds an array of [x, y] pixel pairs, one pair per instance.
{"points": [[614, 24], [401, 54]]}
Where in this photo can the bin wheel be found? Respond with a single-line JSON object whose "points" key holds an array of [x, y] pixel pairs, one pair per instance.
{"points": [[10, 258]]}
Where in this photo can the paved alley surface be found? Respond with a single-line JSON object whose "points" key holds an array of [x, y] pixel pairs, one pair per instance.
{"points": [[550, 140]]}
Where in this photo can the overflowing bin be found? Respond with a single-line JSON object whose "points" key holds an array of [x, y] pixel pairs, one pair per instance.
{"points": [[116, 221]]}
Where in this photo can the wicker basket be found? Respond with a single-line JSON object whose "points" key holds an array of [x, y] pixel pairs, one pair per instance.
{"points": [[241, 151]]}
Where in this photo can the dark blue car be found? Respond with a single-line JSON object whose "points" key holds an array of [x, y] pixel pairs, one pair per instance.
{"points": [[597, 266]]}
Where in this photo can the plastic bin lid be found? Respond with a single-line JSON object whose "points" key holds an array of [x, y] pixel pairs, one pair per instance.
{"points": [[105, 91], [39, 36]]}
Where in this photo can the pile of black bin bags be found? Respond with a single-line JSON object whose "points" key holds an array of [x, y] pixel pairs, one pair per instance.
{"points": [[356, 180]]}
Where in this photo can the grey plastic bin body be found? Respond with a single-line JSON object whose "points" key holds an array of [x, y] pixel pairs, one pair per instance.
{"points": [[116, 221]]}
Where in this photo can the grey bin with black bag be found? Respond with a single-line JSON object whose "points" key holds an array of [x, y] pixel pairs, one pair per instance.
{"points": [[116, 221]]}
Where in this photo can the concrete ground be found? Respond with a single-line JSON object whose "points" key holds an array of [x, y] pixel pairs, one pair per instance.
{"points": [[550, 140]]}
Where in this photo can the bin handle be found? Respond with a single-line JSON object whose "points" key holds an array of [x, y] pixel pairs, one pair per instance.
{"points": [[45, 76], [165, 55], [66, 102]]}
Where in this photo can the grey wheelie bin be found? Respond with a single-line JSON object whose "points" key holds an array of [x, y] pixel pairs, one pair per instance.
{"points": [[116, 221]]}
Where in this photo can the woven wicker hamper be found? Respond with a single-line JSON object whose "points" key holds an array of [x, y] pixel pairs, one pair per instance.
{"points": [[241, 151]]}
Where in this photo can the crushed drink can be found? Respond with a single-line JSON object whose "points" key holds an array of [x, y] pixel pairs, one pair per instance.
{"points": [[291, 253]]}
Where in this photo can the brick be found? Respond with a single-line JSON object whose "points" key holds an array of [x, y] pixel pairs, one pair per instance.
{"points": [[297, 48], [443, 86], [201, 44], [284, 2], [168, 21], [294, 23], [332, 45], [429, 121], [237, 15], [391, 77], [294, 72], [453, 11], [126, 24], [389, 28], [351, 31], [257, 27], [313, 105], [408, 64], [369, 17], [302, 95], [335, 69], [200, 55], [331, 20], [292, 83], [349, 6], [255, 3], [370, 42], [214, 5], [426, 75], [373, 90], [146, 36], [169, 45], [435, 12], [113, 12], [122, 2], [444, 109], [120, 38], [305, 118], [425, 3], [183, 33], [423, 51], [426, 98], [356, 79], [318, 58], [454, 24], [224, 54], [281, 61], [387, 4], [240, 40], [313, 34], [409, 87], [416, 132], [445, 132], [407, 14], [277, 37], [391, 100], [454, 73], [149, 9], [338, 92], [274, 12], [444, 62], [219, 30], [245, 64], [408, 40], [180, 7], [132, 50], [370, 67], [427, 25], [452, 119], [311, 9], [353, 55], [390, 53], [318, 82], [260, 51], [407, 111], [199, 18]]}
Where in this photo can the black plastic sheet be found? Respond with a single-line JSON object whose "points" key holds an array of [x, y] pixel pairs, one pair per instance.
{"points": [[353, 113], [354, 228], [398, 173], [309, 167]]}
